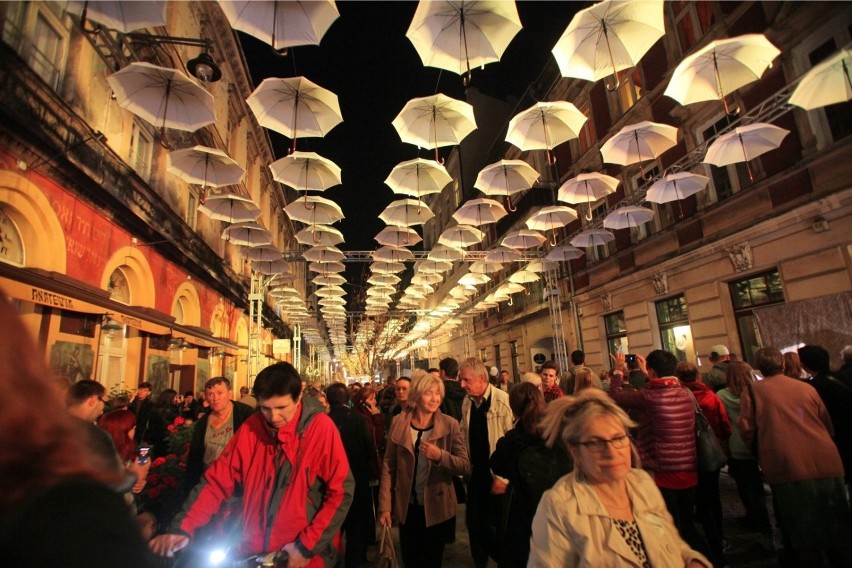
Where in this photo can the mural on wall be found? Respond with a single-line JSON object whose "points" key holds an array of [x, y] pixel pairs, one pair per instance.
{"points": [[202, 373], [71, 359], [158, 373]]}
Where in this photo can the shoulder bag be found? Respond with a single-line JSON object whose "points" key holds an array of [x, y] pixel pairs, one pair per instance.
{"points": [[386, 556], [711, 456]]}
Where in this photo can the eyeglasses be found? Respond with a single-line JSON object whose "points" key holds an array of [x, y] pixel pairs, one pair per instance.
{"points": [[598, 445], [100, 398]]}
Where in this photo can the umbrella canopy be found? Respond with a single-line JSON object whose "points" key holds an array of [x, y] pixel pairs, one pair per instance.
{"points": [[607, 37], [306, 171], [479, 211], [398, 236], [262, 252], [502, 255], [523, 239], [164, 97], [249, 234], [587, 188], [435, 121], [323, 253], [418, 177], [639, 142], [406, 212], [721, 67], [319, 235], [524, 277], [676, 186], [392, 254], [461, 236], [284, 292], [329, 280], [326, 267], [332, 301], [282, 24], [826, 84], [270, 266], [564, 253], [485, 267], [457, 35], [314, 210], [592, 238], [628, 217], [444, 252], [745, 143], [474, 279], [423, 278], [295, 107], [541, 265], [506, 178], [433, 266], [122, 16], [386, 267], [510, 288], [230, 207], [204, 166], [545, 125], [330, 291], [551, 218]]}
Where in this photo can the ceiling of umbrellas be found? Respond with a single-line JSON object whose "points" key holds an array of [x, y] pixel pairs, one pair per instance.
{"points": [[457, 36]]}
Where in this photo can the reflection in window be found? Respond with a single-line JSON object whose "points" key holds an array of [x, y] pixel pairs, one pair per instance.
{"points": [[755, 291], [616, 333], [675, 332]]}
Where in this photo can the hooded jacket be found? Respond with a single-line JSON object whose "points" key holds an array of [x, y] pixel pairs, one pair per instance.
{"points": [[296, 483]]}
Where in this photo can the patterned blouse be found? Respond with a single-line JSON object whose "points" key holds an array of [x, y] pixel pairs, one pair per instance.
{"points": [[629, 530]]}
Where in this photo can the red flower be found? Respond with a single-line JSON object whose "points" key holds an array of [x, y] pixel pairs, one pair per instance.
{"points": [[153, 478], [158, 462], [171, 428], [154, 492], [179, 421], [171, 481]]}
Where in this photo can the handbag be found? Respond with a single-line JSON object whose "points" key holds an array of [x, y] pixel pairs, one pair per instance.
{"points": [[711, 456], [386, 557]]}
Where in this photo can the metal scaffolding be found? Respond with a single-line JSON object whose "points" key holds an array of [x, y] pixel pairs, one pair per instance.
{"points": [[554, 303]]}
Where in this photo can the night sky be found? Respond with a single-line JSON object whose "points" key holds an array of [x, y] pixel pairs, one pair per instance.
{"points": [[367, 61]]}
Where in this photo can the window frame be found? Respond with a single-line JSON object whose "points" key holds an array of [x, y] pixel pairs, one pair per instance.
{"points": [[143, 164], [21, 36], [613, 336], [743, 312]]}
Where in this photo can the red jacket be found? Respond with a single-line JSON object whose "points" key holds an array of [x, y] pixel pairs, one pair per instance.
{"points": [[312, 469], [712, 408]]}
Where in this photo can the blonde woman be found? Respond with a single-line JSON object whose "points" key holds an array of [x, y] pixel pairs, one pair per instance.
{"points": [[425, 449]]}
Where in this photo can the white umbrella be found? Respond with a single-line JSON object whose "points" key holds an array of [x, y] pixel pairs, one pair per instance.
{"points": [[825, 84], [248, 234], [485, 267], [502, 255], [263, 252], [592, 238], [541, 265], [461, 236], [505, 178], [474, 279], [435, 121], [282, 24], [330, 291], [319, 235], [524, 277], [545, 125], [270, 266], [551, 218], [329, 280], [564, 253], [164, 97], [122, 16], [587, 188], [675, 187], [314, 210], [382, 289], [478, 212], [326, 267], [306, 171], [230, 208], [418, 177], [423, 278], [204, 166], [284, 292], [406, 212], [332, 301], [721, 67], [639, 142], [444, 252], [745, 143], [295, 107], [607, 37], [323, 253], [398, 236], [386, 267], [628, 217], [392, 254], [433, 266], [457, 35], [523, 239]]}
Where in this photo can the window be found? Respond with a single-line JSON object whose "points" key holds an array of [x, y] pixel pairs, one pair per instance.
{"points": [[118, 288], [586, 137], [598, 252], [725, 180], [38, 35], [483, 355], [79, 323], [497, 357], [192, 209], [11, 243], [640, 183], [141, 151], [692, 20], [616, 333], [513, 353], [630, 89], [747, 294], [675, 333]]}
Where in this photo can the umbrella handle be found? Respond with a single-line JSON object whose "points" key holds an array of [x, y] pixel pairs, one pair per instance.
{"points": [[466, 78], [612, 88], [730, 111], [551, 158], [553, 240], [314, 237], [589, 214], [510, 300], [283, 52], [509, 205], [308, 206]]}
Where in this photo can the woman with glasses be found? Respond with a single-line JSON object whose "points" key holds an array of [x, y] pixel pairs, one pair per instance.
{"points": [[607, 512]]}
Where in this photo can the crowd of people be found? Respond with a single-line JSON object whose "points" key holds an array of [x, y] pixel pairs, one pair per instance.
{"points": [[573, 469]]}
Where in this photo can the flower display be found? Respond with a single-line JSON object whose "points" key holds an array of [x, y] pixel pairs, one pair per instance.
{"points": [[163, 495]]}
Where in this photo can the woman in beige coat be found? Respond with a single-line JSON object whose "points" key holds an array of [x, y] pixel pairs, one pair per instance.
{"points": [[424, 451], [606, 512]]}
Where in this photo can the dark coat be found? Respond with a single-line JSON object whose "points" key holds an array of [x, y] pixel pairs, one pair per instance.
{"points": [[837, 398], [451, 405]]}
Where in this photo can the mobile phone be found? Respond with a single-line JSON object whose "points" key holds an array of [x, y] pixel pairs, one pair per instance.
{"points": [[144, 455], [629, 358]]}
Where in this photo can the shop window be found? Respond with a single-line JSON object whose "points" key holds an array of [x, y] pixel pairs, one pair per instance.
{"points": [[725, 180], [11, 243], [747, 294], [675, 333], [37, 34], [692, 20], [616, 333]]}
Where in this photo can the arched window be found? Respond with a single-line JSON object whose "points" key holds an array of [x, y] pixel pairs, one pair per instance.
{"points": [[11, 243], [119, 290]]}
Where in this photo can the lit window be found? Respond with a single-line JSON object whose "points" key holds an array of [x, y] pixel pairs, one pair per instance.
{"points": [[616, 333], [586, 136], [747, 294], [675, 333], [630, 88], [11, 243]]}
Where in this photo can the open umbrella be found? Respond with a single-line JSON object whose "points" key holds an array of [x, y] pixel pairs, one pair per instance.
{"points": [[295, 107], [551, 218], [282, 24], [564, 253], [332, 301], [444, 252], [458, 34], [263, 252], [541, 265], [319, 235], [230, 208], [122, 16], [278, 266], [386, 267], [323, 253], [745, 143], [249, 234], [639, 142], [314, 210], [385, 279], [485, 267], [545, 125], [164, 97], [418, 177], [398, 236], [607, 37], [720, 68], [435, 121], [306, 171], [461, 236], [392, 254], [329, 280], [587, 188], [506, 178], [326, 267], [825, 84], [592, 238], [523, 239], [523, 276], [433, 266], [675, 187], [204, 166], [502, 255], [283, 292], [628, 217], [478, 212], [423, 278], [330, 291], [406, 213]]}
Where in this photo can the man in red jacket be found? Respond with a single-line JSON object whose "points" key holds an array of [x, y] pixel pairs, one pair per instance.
{"points": [[290, 463]]}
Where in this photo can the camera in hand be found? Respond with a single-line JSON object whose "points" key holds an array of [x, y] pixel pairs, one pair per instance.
{"points": [[144, 455], [630, 358]]}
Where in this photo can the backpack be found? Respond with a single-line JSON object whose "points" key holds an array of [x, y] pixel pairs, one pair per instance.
{"points": [[539, 468]]}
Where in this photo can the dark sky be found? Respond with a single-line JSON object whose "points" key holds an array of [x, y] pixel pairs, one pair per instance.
{"points": [[367, 61]]}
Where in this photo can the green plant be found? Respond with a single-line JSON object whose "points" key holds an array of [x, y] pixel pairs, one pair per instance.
{"points": [[163, 494]]}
